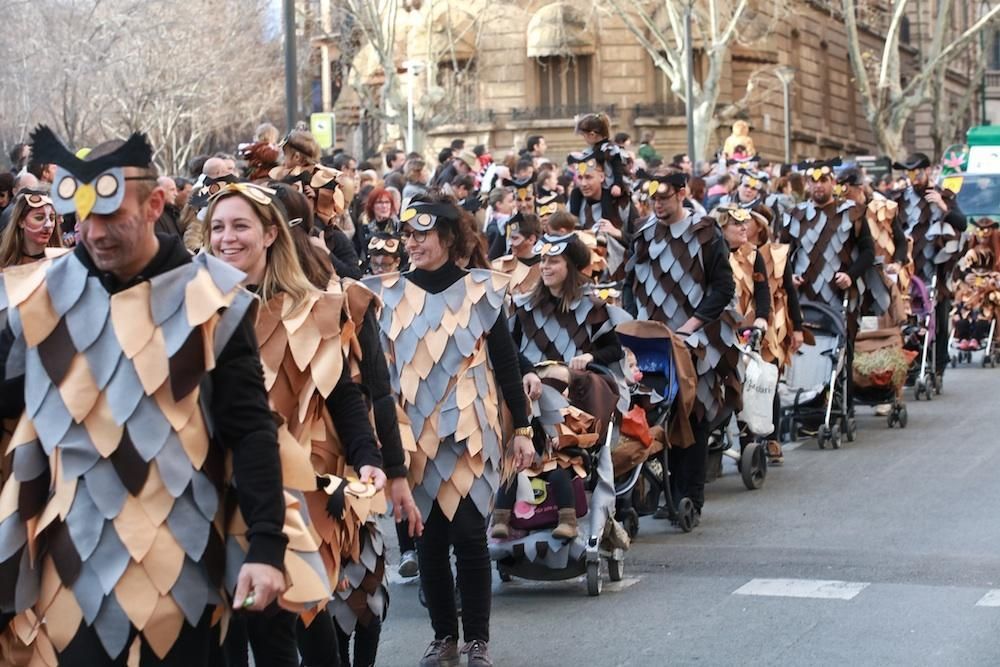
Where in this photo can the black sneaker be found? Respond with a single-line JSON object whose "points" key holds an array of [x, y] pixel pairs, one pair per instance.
{"points": [[441, 653], [478, 652]]}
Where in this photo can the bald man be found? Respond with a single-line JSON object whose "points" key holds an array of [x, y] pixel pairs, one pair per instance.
{"points": [[169, 221]]}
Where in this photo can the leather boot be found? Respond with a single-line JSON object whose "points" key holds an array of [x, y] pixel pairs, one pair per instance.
{"points": [[566, 530], [501, 524]]}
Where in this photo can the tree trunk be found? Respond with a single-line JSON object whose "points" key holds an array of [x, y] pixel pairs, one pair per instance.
{"points": [[705, 124]]}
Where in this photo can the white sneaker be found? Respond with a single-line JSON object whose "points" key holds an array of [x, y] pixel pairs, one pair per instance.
{"points": [[883, 410], [408, 565]]}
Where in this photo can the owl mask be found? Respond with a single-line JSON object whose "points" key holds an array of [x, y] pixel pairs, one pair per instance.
{"points": [[94, 185]]}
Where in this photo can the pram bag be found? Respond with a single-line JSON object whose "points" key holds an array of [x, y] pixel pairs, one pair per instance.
{"points": [[880, 360], [759, 384]]}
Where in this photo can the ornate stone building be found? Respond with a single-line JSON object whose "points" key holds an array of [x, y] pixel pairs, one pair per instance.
{"points": [[515, 68]]}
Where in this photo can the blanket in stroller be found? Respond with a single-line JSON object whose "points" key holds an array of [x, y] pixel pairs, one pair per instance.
{"points": [[880, 361]]}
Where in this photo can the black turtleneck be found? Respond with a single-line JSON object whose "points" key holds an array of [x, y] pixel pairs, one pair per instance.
{"points": [[530, 261], [499, 344]]}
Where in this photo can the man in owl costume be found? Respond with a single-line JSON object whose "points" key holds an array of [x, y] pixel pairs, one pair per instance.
{"points": [[935, 223], [133, 369], [679, 274]]}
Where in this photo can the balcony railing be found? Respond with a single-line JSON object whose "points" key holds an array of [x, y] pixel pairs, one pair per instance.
{"points": [[673, 107], [993, 79], [559, 112], [469, 116]]}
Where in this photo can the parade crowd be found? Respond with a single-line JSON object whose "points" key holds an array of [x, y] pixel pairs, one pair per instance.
{"points": [[215, 384]]}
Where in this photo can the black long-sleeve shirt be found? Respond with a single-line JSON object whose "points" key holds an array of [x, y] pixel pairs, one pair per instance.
{"points": [[719, 285], [499, 344], [761, 290], [239, 409], [375, 377], [792, 296]]}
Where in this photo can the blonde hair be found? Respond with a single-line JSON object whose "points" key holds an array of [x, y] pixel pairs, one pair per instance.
{"points": [[12, 240], [283, 273], [267, 133]]}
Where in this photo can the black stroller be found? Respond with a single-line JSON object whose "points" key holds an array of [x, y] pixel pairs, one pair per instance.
{"points": [[814, 394]]}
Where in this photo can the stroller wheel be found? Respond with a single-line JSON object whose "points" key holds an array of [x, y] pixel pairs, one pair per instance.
{"points": [[616, 568], [852, 430], [903, 417], [938, 383], [504, 576], [594, 582], [835, 434], [919, 389], [891, 419], [685, 515], [753, 466], [823, 436]]}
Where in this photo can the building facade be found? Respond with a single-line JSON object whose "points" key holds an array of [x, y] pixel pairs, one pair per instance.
{"points": [[495, 72]]}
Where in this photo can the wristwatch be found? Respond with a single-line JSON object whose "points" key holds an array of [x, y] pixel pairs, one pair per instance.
{"points": [[526, 431]]}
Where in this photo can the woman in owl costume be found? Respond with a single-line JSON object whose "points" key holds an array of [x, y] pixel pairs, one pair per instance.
{"points": [[765, 294], [134, 370], [887, 281], [679, 274], [451, 358], [329, 453], [32, 235], [561, 320], [361, 603]]}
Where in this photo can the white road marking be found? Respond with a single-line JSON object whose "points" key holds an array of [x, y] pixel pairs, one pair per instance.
{"points": [[791, 446], [991, 599], [802, 588]]}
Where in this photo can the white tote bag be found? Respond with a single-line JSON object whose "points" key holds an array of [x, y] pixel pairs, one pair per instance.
{"points": [[759, 383]]}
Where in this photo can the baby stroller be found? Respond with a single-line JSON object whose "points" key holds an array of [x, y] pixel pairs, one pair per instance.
{"points": [[532, 552], [881, 365], [920, 334], [638, 490], [814, 390], [733, 438]]}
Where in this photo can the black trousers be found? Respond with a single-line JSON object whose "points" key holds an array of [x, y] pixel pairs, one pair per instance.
{"points": [[406, 543], [560, 486], [688, 466], [466, 534], [941, 314], [365, 644], [271, 635], [197, 645]]}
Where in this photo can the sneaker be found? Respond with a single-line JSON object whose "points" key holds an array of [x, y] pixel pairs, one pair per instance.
{"points": [[963, 345], [408, 565], [478, 652], [441, 653], [883, 410]]}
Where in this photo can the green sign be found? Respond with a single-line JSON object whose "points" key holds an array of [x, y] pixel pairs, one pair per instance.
{"points": [[324, 128]]}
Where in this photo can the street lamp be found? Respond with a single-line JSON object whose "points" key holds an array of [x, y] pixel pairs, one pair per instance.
{"points": [[786, 74], [412, 67], [984, 7], [291, 69]]}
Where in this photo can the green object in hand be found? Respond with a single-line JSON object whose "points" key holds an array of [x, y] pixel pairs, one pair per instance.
{"points": [[249, 600]]}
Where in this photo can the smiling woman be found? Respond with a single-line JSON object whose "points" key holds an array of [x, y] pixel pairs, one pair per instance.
{"points": [[324, 435], [30, 231]]}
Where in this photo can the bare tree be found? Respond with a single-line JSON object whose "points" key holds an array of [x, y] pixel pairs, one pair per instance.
{"points": [[189, 75], [718, 25], [888, 102], [431, 42]]}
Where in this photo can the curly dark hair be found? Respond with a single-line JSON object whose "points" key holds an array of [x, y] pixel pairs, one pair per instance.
{"points": [[457, 233]]}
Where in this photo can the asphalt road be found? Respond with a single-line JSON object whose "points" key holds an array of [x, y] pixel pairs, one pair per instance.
{"points": [[890, 548]]}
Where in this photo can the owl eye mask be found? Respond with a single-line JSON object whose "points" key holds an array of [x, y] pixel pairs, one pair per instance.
{"points": [[90, 186]]}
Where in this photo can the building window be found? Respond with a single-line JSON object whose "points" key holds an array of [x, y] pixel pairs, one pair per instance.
{"points": [[564, 84], [458, 79], [904, 30], [995, 56], [664, 99]]}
